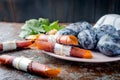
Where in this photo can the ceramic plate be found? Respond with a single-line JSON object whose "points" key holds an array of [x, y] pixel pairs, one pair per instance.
{"points": [[97, 57]]}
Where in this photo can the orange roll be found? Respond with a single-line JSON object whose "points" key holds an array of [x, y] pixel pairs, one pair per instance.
{"points": [[63, 39], [63, 49]]}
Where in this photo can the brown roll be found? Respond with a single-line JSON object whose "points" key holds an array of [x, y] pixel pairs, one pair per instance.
{"points": [[41, 69], [15, 44], [27, 65], [23, 44], [6, 59]]}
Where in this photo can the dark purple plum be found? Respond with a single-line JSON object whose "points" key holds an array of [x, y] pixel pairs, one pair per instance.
{"points": [[109, 45], [118, 32], [85, 25], [87, 39], [79, 26], [74, 28], [103, 30], [65, 31]]}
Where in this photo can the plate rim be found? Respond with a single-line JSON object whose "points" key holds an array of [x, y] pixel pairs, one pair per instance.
{"points": [[75, 59]]}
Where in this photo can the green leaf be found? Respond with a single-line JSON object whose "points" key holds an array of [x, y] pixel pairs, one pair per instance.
{"points": [[23, 34], [44, 21], [53, 25], [33, 22], [34, 26], [47, 28]]}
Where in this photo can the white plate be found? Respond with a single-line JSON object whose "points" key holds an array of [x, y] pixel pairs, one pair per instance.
{"points": [[97, 58]]}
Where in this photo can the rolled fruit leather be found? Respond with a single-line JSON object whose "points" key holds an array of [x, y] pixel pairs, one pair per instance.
{"points": [[27, 65], [12, 45], [62, 50], [63, 39]]}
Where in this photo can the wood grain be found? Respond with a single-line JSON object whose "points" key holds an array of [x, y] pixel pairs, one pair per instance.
{"points": [[62, 10]]}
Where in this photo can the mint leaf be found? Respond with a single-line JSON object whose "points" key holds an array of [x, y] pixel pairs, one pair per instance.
{"points": [[44, 21], [53, 25], [34, 26]]}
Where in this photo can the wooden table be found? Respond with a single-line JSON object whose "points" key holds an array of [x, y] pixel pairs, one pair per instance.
{"points": [[69, 70]]}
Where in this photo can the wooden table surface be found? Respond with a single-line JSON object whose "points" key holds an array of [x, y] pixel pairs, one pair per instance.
{"points": [[69, 70]]}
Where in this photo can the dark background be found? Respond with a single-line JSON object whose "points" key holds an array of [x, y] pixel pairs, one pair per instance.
{"points": [[62, 10]]}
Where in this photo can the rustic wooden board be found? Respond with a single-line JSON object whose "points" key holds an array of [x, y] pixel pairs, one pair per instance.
{"points": [[69, 70]]}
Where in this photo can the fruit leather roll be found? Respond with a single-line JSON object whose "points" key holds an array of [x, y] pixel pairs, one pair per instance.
{"points": [[63, 50], [63, 39], [27, 65], [12, 45]]}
